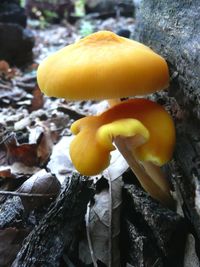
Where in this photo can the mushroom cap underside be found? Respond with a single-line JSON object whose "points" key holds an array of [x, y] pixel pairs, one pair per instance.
{"points": [[131, 118]]}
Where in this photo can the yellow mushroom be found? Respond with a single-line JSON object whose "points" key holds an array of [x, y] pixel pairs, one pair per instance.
{"points": [[104, 65]]}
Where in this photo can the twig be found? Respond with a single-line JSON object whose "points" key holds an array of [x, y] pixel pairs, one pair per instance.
{"points": [[72, 113], [26, 86], [3, 86], [110, 222], [87, 219], [19, 194], [26, 79]]}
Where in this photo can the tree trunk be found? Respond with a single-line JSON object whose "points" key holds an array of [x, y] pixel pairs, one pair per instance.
{"points": [[172, 29]]}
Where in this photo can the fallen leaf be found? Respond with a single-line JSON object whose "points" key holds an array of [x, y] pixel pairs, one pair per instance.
{"points": [[10, 95], [103, 217], [75, 115], [117, 167], [22, 124], [26, 153], [18, 168], [35, 152], [6, 173], [39, 183], [60, 163], [10, 181], [43, 138], [37, 101], [103, 224], [4, 67], [6, 181], [45, 147]]}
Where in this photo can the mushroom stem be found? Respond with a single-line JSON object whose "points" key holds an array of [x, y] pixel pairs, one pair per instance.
{"points": [[150, 176], [157, 175]]}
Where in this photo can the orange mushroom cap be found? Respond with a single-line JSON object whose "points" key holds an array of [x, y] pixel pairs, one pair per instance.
{"points": [[136, 117], [102, 65]]}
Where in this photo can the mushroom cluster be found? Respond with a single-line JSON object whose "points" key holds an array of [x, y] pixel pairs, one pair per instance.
{"points": [[104, 65]]}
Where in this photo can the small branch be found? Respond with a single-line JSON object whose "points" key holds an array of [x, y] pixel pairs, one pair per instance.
{"points": [[87, 222], [110, 222], [3, 86], [18, 194], [72, 113], [26, 86]]}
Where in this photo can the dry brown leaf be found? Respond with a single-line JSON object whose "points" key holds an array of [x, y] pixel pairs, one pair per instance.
{"points": [[39, 183], [26, 153], [6, 181], [103, 216], [6, 173], [4, 67], [34, 153], [37, 101], [104, 224], [44, 142], [10, 181], [6, 71]]}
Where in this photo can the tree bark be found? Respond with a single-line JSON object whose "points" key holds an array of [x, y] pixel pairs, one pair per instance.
{"points": [[153, 235], [172, 29]]}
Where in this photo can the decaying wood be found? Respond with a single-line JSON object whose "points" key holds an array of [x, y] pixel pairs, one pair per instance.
{"points": [[153, 235], [45, 244], [172, 28], [12, 211], [187, 179]]}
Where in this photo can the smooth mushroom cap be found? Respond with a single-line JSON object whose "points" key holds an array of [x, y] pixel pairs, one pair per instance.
{"points": [[136, 117], [102, 65]]}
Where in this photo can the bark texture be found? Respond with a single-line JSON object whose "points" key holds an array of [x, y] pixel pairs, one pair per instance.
{"points": [[155, 235], [172, 29]]}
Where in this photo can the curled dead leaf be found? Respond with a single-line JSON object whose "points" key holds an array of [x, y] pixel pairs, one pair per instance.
{"points": [[103, 224], [39, 183], [30, 154], [37, 101], [60, 163], [6, 173], [26, 153], [41, 134]]}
